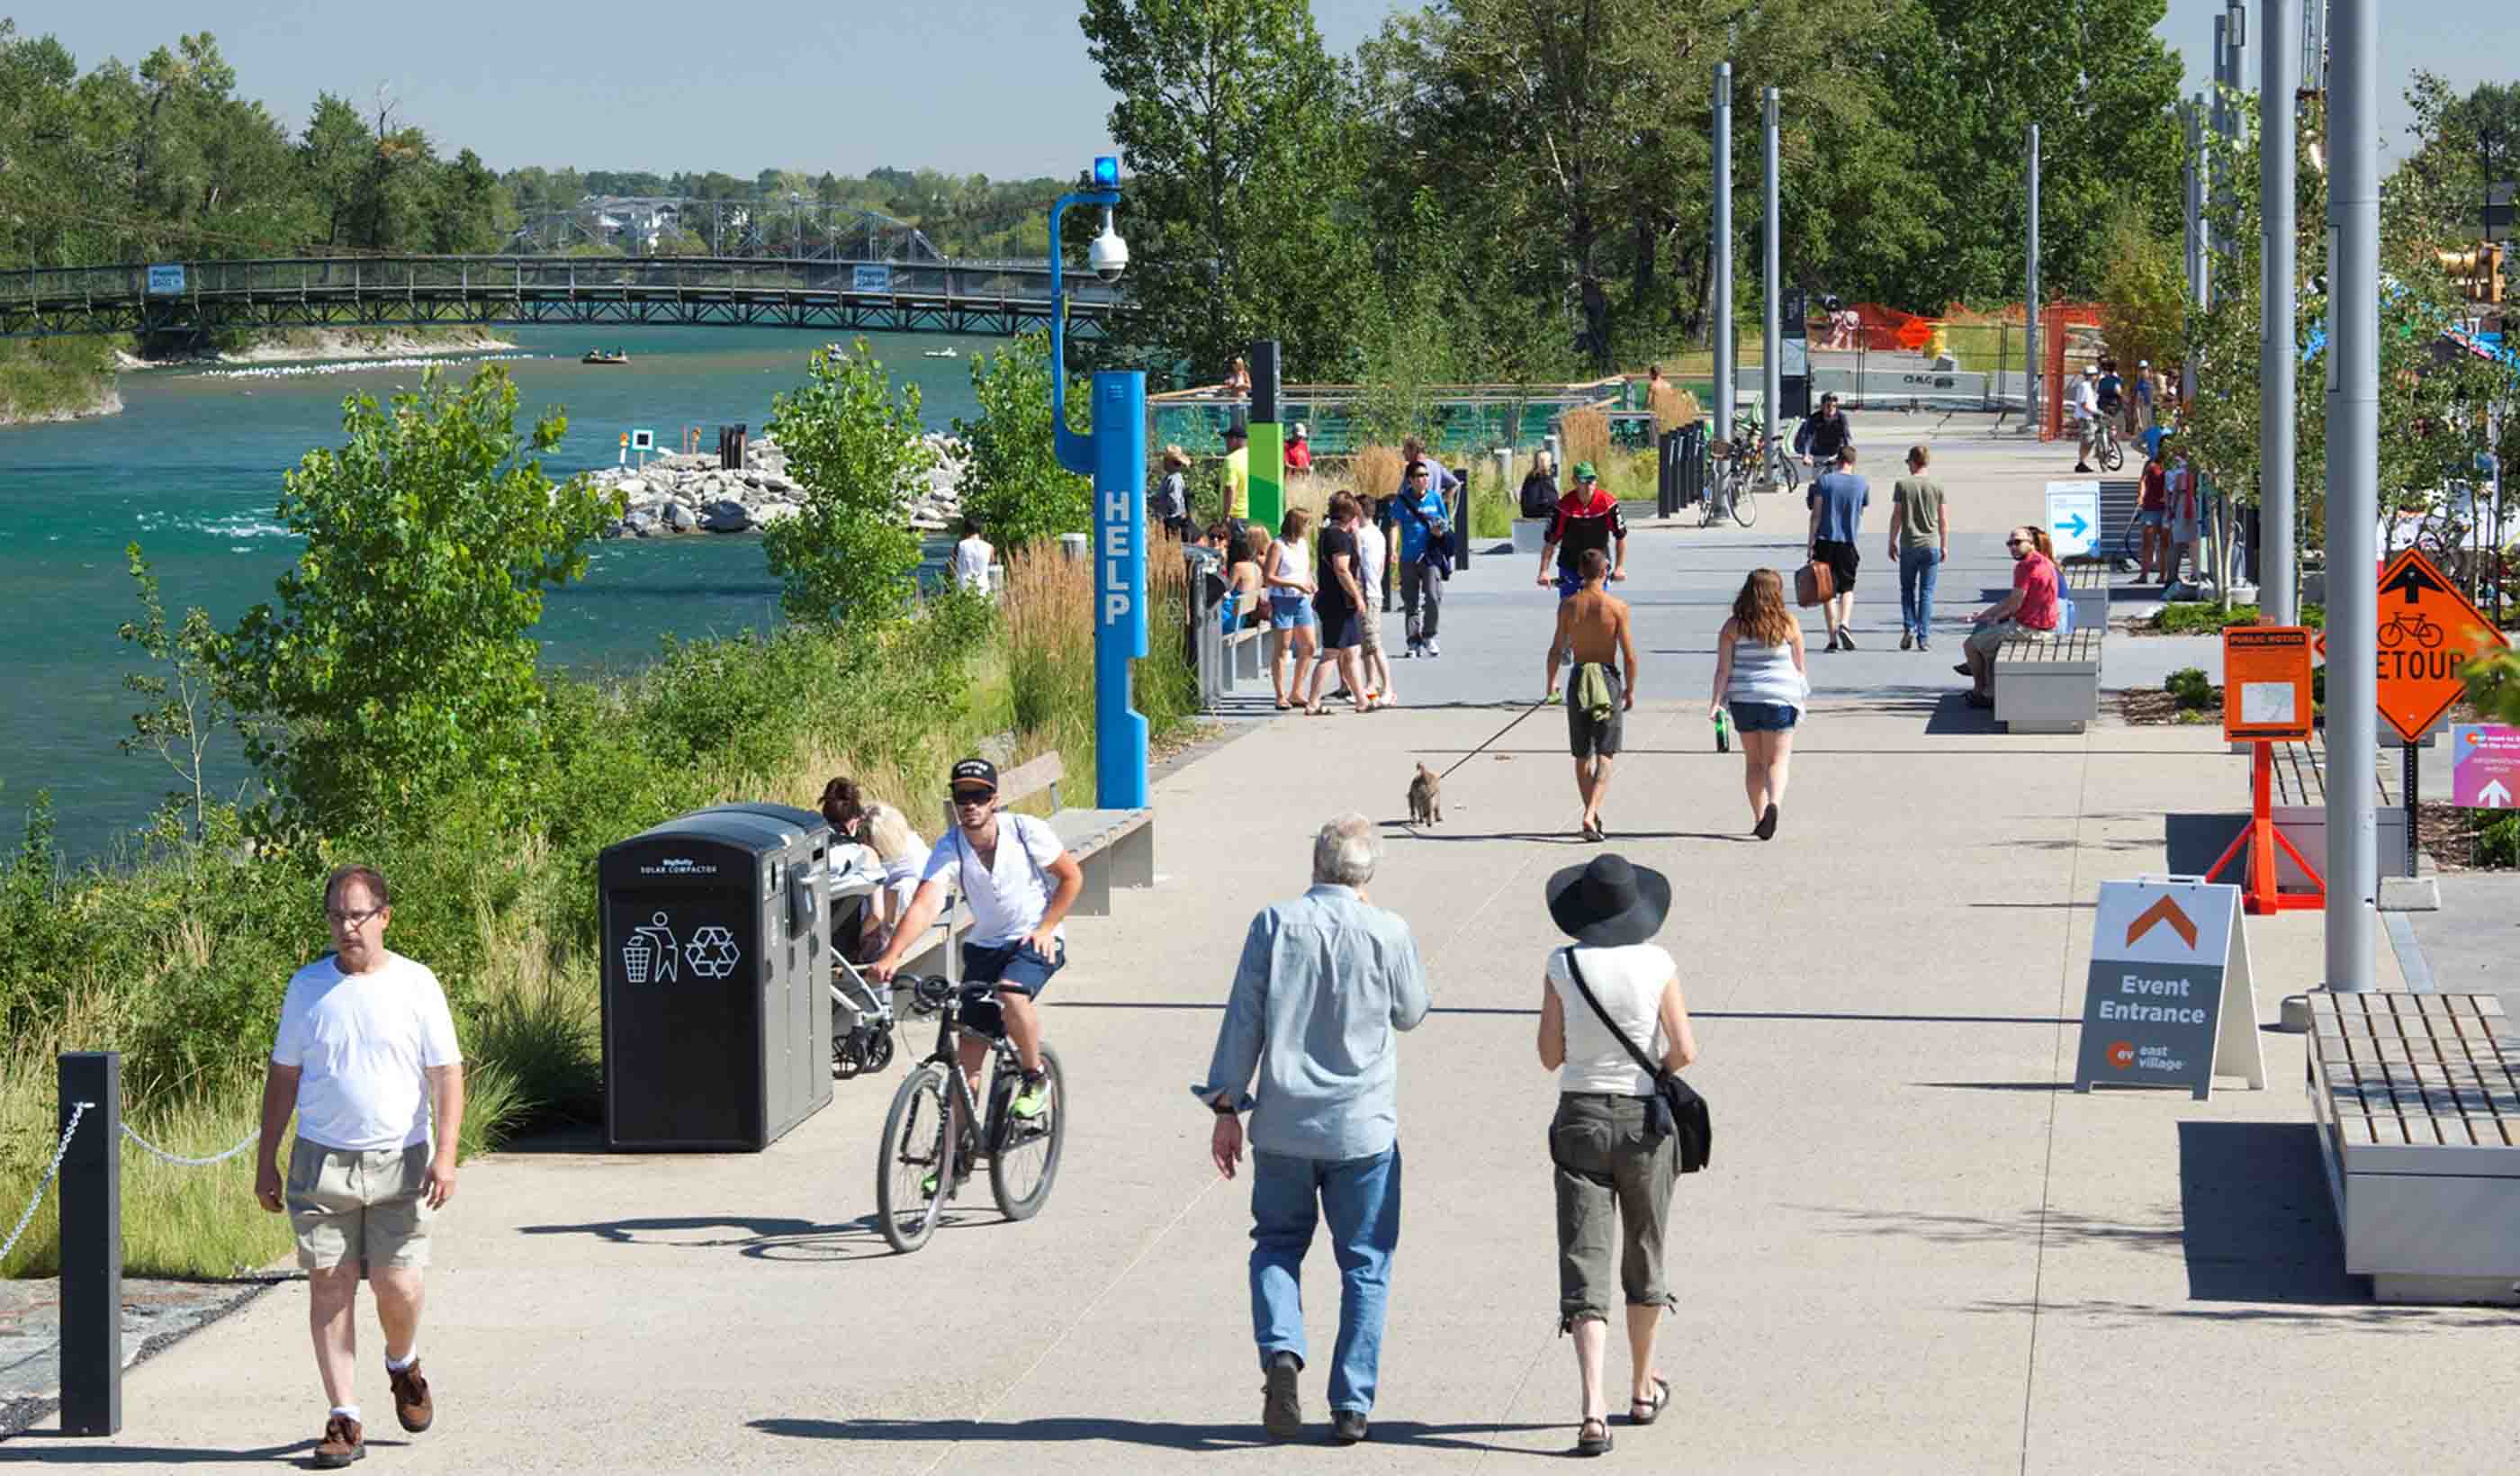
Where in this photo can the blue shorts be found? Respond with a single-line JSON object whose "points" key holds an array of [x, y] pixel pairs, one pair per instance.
{"points": [[1568, 582], [2151, 517], [1764, 717], [989, 969], [1289, 611]]}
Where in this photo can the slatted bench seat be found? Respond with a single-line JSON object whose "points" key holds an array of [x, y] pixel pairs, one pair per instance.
{"points": [[2047, 682], [2300, 812], [2088, 586], [2417, 1103]]}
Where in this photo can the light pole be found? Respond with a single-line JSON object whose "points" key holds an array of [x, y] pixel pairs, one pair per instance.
{"points": [[2277, 355], [2353, 490], [1115, 455], [795, 224], [2034, 412], [1772, 387], [1723, 250]]}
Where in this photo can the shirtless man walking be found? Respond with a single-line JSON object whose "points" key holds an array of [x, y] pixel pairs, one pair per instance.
{"points": [[1593, 626]]}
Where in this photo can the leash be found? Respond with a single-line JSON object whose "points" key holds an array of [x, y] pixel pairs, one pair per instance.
{"points": [[1492, 737]]}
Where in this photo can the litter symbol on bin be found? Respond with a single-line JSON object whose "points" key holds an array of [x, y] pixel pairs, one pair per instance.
{"points": [[650, 952], [712, 953]]}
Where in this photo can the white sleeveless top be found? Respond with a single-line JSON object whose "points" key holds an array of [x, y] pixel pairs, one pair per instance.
{"points": [[1629, 982], [1295, 560], [1763, 673]]}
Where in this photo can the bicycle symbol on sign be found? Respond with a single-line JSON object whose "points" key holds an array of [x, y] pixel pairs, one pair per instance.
{"points": [[2400, 627]]}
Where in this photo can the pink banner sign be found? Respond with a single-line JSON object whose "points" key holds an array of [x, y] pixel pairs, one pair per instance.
{"points": [[2485, 766]]}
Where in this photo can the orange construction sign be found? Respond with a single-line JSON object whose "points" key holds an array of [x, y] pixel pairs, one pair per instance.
{"points": [[1915, 334], [2428, 631], [2266, 683]]}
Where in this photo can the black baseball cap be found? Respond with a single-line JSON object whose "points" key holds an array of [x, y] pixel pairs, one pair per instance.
{"points": [[975, 771]]}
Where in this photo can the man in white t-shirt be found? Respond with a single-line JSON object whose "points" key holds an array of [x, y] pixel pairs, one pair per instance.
{"points": [[2087, 416], [972, 558], [1372, 551], [366, 1058], [1019, 894]]}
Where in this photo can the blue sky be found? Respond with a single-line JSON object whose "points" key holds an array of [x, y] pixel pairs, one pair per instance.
{"points": [[997, 86]]}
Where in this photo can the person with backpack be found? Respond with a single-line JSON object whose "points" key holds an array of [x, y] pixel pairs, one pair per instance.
{"points": [[1425, 556], [1610, 1003], [1019, 883]]}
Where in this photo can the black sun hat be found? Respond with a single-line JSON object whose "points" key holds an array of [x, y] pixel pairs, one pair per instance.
{"points": [[1607, 903], [975, 773]]}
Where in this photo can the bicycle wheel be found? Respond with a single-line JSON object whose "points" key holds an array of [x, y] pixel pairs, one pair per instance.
{"points": [[1790, 477], [914, 1148], [1026, 1160], [2112, 453], [1746, 502]]}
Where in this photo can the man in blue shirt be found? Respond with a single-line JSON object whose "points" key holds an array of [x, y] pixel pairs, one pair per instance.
{"points": [[1421, 512], [1325, 983], [1837, 500]]}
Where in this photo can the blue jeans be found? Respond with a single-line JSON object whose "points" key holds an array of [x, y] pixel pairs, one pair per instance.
{"points": [[1361, 1199], [1919, 569]]}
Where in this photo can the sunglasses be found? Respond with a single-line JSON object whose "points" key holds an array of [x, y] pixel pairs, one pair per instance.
{"points": [[2016, 543], [965, 799]]}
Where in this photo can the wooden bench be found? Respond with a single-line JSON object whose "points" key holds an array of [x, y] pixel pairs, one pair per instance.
{"points": [[2300, 812], [1111, 847], [2417, 1102], [2088, 586], [2048, 682]]}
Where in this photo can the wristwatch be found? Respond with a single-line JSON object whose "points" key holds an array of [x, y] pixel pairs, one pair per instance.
{"points": [[1223, 1107]]}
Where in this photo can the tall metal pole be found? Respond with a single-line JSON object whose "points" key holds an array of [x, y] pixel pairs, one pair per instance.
{"points": [[2199, 289], [1723, 250], [2353, 487], [1772, 373], [2217, 123], [2030, 295], [2277, 354]]}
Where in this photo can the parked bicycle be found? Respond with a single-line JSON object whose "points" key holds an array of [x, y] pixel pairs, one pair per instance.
{"points": [[1731, 489], [935, 1133]]}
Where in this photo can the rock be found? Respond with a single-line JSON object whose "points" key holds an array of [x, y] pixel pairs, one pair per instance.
{"points": [[631, 488], [726, 517], [680, 518], [641, 524], [614, 529], [775, 511], [777, 482]]}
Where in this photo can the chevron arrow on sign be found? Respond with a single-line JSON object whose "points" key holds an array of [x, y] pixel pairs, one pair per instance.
{"points": [[2163, 910]]}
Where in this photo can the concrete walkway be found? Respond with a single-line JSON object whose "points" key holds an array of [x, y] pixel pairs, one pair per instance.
{"points": [[1918, 1249]]}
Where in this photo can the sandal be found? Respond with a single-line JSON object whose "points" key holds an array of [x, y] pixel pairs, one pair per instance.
{"points": [[1285, 706], [1653, 1406], [1589, 1443]]}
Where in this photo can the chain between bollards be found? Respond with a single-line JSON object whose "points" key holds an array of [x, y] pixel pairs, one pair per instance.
{"points": [[61, 1151]]}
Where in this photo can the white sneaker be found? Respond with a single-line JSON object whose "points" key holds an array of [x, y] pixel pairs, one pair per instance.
{"points": [[1433, 649]]}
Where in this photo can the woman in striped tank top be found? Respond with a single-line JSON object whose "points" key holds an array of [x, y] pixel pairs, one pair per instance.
{"points": [[1759, 674]]}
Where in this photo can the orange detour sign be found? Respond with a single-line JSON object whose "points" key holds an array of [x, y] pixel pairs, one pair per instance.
{"points": [[2266, 683], [2428, 631], [1915, 334]]}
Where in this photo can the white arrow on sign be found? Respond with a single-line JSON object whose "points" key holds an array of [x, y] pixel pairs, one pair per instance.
{"points": [[2493, 797]]}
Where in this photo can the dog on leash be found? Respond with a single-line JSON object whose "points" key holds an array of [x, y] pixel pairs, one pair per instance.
{"points": [[1425, 798]]}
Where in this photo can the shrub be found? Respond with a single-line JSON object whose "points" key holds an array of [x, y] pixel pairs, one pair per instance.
{"points": [[854, 444], [2193, 689], [2497, 842], [1014, 484]]}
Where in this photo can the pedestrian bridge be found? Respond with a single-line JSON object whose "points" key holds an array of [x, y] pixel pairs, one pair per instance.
{"points": [[191, 298]]}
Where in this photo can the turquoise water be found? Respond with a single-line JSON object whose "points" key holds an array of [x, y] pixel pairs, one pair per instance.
{"points": [[191, 468]]}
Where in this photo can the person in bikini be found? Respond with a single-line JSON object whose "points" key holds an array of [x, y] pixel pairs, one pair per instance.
{"points": [[1592, 626]]}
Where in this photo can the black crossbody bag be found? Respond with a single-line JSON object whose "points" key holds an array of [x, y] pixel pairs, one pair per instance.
{"points": [[1675, 1105]]}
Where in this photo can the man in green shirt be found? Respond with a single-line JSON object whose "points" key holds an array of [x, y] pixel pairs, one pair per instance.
{"points": [[1921, 539], [1237, 472]]}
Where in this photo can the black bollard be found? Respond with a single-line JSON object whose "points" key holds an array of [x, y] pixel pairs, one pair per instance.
{"points": [[91, 1209]]}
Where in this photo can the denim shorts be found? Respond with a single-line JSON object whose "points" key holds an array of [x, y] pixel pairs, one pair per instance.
{"points": [[2151, 517], [991, 969], [1289, 611], [1764, 717]]}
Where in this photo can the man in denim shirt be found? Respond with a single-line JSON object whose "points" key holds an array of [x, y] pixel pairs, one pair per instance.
{"points": [[1326, 982]]}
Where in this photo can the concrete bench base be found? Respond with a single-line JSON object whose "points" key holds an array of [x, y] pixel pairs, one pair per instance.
{"points": [[2048, 684]]}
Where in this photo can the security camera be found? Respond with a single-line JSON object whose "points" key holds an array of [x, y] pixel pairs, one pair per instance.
{"points": [[1109, 254]]}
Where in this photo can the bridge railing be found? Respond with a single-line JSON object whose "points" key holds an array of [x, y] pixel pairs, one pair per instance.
{"points": [[513, 276]]}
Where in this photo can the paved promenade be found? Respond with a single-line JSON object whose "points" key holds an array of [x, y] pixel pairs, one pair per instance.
{"points": [[1916, 1250]]}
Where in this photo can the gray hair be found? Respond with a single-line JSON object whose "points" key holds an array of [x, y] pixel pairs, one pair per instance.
{"points": [[1346, 851]]}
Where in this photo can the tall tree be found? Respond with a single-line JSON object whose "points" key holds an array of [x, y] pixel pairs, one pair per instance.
{"points": [[1242, 168]]}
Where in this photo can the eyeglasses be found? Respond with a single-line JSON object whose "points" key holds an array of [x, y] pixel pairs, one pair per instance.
{"points": [[340, 917]]}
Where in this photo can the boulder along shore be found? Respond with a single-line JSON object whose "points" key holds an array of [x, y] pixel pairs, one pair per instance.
{"points": [[679, 492]]}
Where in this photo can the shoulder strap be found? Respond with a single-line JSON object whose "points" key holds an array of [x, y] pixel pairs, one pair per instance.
{"points": [[1011, 830], [1651, 1069]]}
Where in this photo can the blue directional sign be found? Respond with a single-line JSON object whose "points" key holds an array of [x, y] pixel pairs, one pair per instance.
{"points": [[2074, 516]]}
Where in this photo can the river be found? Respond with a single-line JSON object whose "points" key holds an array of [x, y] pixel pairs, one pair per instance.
{"points": [[192, 470]]}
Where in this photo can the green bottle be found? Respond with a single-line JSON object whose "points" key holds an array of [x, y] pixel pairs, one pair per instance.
{"points": [[1723, 731]]}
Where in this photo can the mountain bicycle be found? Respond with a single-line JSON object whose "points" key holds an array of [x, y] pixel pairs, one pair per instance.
{"points": [[2104, 441], [922, 1164], [1732, 487]]}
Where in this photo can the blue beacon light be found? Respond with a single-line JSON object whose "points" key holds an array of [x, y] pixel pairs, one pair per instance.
{"points": [[1106, 171]]}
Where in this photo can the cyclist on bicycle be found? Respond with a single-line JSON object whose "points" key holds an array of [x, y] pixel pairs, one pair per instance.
{"points": [[1018, 904], [1825, 434]]}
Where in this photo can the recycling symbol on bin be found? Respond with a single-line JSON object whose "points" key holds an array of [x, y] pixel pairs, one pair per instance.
{"points": [[711, 953]]}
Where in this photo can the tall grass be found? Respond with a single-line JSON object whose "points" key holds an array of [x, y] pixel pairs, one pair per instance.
{"points": [[1583, 435], [179, 960]]}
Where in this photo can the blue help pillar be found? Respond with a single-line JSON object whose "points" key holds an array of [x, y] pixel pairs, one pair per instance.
{"points": [[1119, 586]]}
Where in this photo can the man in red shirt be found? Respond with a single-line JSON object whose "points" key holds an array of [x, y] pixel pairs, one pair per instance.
{"points": [[1587, 517], [2031, 609], [1299, 449]]}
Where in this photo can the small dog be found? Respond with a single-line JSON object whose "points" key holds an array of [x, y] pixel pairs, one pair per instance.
{"points": [[1425, 798]]}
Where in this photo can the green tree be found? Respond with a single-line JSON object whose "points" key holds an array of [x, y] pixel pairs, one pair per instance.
{"points": [[1012, 483], [853, 442], [189, 705], [1243, 177], [400, 653], [2143, 295]]}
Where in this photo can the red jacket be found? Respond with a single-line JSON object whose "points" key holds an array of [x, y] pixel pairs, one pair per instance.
{"points": [[1299, 456], [1581, 523]]}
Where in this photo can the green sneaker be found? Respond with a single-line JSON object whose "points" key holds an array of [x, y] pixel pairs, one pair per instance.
{"points": [[1032, 1098]]}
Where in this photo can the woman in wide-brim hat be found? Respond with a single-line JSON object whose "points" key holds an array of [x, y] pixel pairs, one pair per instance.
{"points": [[1612, 1173]]}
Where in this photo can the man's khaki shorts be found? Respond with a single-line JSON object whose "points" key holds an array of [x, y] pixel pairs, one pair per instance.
{"points": [[1988, 636], [1368, 624], [352, 1207]]}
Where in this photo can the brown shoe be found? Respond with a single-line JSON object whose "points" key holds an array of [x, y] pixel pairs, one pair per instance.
{"points": [[343, 1441], [412, 1403]]}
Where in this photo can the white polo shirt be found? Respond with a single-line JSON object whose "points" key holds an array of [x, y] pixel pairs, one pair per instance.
{"points": [[363, 1045], [1010, 896]]}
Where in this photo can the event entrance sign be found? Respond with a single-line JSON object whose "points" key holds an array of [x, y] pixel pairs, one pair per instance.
{"points": [[2485, 766], [2074, 518], [2170, 1002]]}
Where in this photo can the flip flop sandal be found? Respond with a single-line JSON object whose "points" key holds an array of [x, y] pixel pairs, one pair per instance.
{"points": [[1286, 707], [1589, 1443], [1654, 1408]]}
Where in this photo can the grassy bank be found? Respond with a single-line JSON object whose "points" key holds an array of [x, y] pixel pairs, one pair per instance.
{"points": [[51, 379], [179, 958]]}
